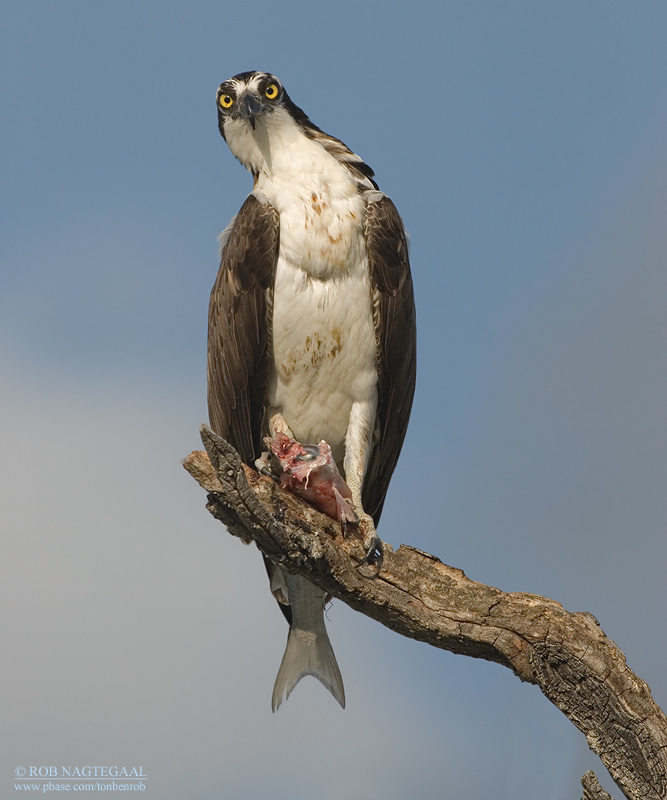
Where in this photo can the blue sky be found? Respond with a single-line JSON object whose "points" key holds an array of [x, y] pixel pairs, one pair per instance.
{"points": [[524, 144]]}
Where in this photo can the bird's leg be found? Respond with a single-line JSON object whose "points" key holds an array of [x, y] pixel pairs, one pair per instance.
{"points": [[263, 464], [357, 448], [371, 541], [277, 424]]}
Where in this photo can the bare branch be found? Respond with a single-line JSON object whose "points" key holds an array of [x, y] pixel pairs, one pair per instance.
{"points": [[580, 670], [592, 788]]}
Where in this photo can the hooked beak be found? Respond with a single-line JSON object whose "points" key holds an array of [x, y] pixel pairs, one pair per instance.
{"points": [[250, 108]]}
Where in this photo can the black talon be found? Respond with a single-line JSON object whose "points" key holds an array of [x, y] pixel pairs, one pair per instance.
{"points": [[374, 555], [263, 465]]}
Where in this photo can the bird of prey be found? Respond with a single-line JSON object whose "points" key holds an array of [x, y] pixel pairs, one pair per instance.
{"points": [[311, 327]]}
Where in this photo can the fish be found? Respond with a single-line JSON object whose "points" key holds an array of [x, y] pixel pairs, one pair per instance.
{"points": [[308, 650], [310, 472]]}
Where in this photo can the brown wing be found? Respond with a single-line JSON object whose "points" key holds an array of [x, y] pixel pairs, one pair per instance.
{"points": [[396, 336], [238, 328]]}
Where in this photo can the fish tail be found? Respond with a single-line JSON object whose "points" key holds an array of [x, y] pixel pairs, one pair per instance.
{"points": [[307, 653]]}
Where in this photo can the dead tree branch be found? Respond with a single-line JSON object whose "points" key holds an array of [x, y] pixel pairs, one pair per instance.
{"points": [[579, 669]]}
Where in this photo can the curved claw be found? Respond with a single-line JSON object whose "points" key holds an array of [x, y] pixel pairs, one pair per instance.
{"points": [[374, 554], [263, 465], [372, 544]]}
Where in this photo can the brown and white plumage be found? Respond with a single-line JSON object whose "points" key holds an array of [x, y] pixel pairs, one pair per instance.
{"points": [[239, 328], [311, 321]]}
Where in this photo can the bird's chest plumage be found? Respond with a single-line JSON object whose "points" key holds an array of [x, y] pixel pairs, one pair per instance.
{"points": [[323, 338]]}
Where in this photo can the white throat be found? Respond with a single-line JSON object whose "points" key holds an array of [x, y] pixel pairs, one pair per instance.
{"points": [[277, 146]]}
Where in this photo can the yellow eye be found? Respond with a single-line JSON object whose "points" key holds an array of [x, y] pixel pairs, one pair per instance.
{"points": [[271, 91], [226, 101]]}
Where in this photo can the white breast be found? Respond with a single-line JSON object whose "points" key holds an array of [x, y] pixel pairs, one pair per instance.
{"points": [[324, 350]]}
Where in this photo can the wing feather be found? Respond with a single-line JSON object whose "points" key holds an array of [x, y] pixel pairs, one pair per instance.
{"points": [[238, 327], [396, 336]]}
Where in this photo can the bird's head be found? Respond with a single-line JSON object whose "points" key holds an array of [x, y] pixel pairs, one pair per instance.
{"points": [[258, 120], [246, 98], [253, 108]]}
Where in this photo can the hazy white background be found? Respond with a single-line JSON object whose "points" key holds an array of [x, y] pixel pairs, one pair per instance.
{"points": [[524, 144]]}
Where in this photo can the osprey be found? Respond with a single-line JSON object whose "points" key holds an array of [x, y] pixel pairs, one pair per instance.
{"points": [[311, 326]]}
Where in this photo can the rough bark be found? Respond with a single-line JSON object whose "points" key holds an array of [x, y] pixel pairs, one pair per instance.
{"points": [[579, 669]]}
